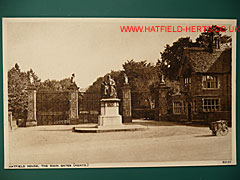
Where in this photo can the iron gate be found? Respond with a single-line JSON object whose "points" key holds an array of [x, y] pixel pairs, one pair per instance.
{"points": [[52, 108], [143, 105], [89, 107]]}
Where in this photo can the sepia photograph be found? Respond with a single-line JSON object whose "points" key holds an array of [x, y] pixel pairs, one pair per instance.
{"points": [[119, 92]]}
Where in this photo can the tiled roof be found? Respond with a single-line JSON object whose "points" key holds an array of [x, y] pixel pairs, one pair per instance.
{"points": [[201, 60]]}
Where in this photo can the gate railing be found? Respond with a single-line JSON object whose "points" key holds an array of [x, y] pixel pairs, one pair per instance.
{"points": [[89, 107], [52, 108]]}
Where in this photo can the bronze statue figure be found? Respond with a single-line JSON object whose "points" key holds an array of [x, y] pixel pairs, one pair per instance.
{"points": [[108, 88]]}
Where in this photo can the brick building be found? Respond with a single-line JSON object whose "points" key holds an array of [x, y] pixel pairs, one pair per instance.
{"points": [[204, 86]]}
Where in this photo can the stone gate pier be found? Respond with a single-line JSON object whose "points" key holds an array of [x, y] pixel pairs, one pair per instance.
{"points": [[32, 107], [73, 101], [161, 102], [126, 104]]}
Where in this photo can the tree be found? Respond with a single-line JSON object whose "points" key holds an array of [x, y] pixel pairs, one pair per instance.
{"points": [[141, 74], [171, 57], [55, 85], [19, 81], [143, 77], [17, 95], [206, 39]]}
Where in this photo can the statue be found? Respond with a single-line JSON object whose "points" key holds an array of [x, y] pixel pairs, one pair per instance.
{"points": [[72, 78], [73, 85], [125, 79], [108, 88], [30, 76], [162, 79], [32, 84]]}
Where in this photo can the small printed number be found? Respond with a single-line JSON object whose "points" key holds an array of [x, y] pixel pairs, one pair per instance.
{"points": [[226, 162]]}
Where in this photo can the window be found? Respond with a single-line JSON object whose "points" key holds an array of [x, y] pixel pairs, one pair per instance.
{"points": [[177, 108], [211, 105], [187, 81], [210, 82]]}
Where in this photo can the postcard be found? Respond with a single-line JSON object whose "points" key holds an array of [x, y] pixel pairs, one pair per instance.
{"points": [[119, 92]]}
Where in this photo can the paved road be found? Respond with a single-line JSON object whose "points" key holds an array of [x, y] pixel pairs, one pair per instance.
{"points": [[161, 142]]}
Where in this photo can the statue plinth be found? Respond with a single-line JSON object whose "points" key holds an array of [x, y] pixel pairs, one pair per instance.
{"points": [[109, 113], [109, 120]]}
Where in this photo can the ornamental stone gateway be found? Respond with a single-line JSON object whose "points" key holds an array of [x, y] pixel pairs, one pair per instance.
{"points": [[109, 120]]}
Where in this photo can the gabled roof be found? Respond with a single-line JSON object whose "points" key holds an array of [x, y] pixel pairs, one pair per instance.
{"points": [[201, 60]]}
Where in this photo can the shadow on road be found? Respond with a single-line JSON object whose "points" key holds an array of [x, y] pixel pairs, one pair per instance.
{"points": [[207, 135], [150, 123], [54, 130], [166, 123]]}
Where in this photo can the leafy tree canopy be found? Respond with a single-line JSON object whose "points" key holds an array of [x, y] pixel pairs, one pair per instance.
{"points": [[19, 81], [169, 62], [171, 57]]}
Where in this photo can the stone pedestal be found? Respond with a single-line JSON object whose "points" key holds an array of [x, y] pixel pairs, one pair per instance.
{"points": [[32, 107], [110, 113], [109, 120]]}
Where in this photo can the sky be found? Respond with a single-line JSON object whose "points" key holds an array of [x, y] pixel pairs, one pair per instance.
{"points": [[90, 48]]}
